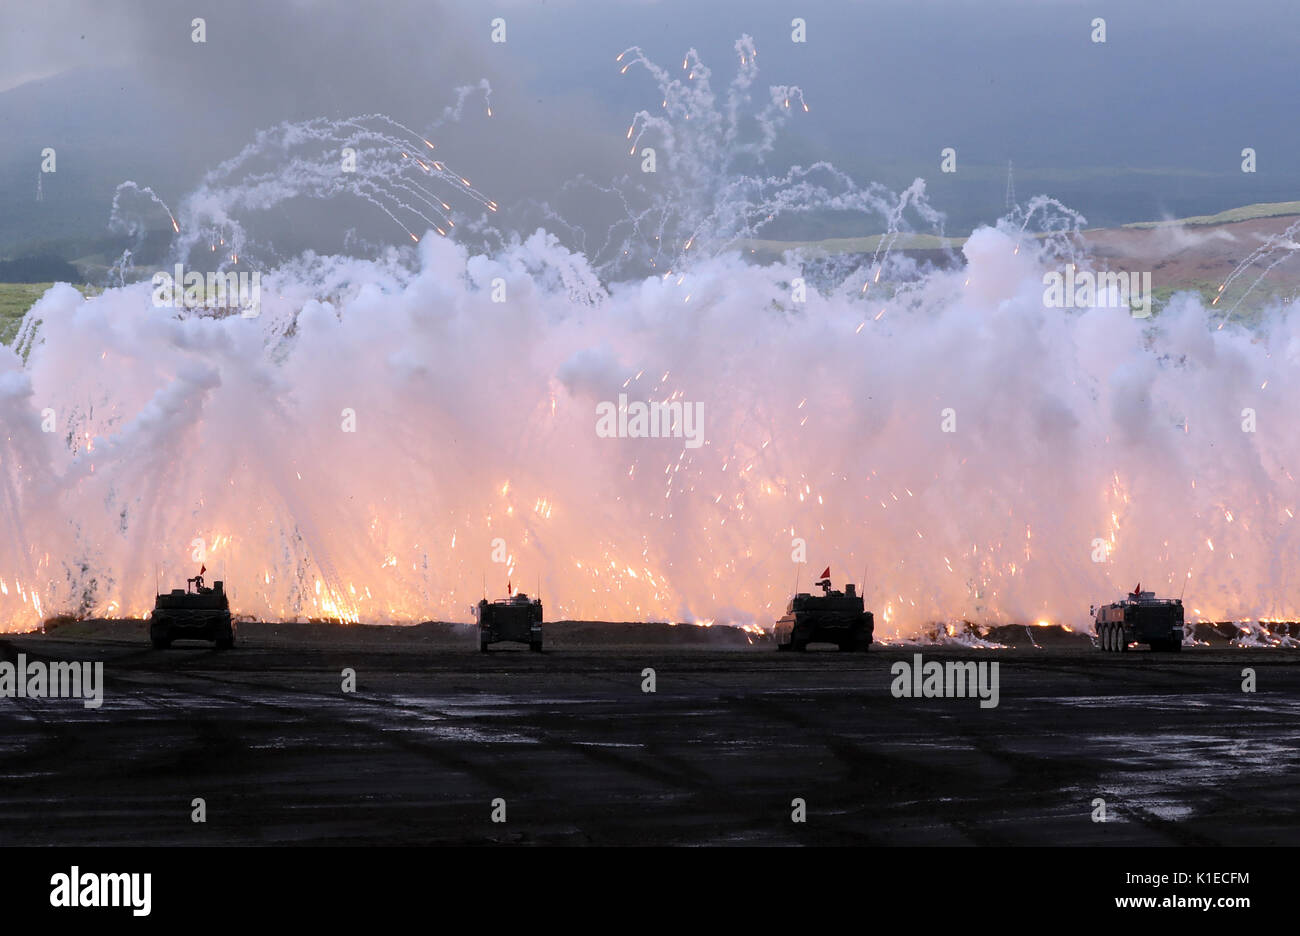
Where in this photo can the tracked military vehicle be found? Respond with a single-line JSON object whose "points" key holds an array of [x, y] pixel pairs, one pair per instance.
{"points": [[1140, 618], [197, 613], [518, 618], [831, 617]]}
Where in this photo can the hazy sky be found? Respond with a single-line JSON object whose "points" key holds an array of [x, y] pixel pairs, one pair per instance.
{"points": [[1169, 101]]}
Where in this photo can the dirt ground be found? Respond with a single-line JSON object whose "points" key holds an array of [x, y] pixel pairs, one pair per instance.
{"points": [[732, 736]]}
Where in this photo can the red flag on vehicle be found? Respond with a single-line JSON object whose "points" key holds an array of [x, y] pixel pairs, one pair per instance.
{"points": [[509, 591], [826, 574], [202, 570], [1138, 590]]}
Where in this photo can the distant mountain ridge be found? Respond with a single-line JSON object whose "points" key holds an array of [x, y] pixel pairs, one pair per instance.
{"points": [[95, 120]]}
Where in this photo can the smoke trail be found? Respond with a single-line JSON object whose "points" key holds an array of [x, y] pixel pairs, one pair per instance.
{"points": [[708, 191], [1276, 250], [371, 157]]}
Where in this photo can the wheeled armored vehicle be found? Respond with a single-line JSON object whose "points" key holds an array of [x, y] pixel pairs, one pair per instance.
{"points": [[517, 618], [1140, 618]]}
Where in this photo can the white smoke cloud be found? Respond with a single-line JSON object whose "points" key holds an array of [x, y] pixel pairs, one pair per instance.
{"points": [[475, 420]]}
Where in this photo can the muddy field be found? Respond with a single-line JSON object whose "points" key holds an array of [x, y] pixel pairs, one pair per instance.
{"points": [[733, 734]]}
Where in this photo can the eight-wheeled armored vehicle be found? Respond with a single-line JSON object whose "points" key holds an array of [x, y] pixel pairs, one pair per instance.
{"points": [[197, 613], [831, 617], [517, 618], [1140, 618]]}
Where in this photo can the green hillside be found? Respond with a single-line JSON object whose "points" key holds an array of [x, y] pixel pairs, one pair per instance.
{"points": [[17, 298]]}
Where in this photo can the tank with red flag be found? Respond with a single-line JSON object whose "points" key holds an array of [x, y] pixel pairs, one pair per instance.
{"points": [[197, 612], [832, 617]]}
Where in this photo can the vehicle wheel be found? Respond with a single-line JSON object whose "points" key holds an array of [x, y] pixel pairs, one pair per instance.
{"points": [[483, 647], [1121, 644], [782, 647], [1110, 638]]}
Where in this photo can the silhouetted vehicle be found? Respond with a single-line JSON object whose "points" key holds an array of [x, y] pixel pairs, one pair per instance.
{"points": [[198, 613], [518, 618], [831, 617], [1140, 618]]}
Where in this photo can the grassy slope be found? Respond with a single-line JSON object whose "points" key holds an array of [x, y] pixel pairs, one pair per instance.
{"points": [[1245, 213], [837, 245], [17, 298]]}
